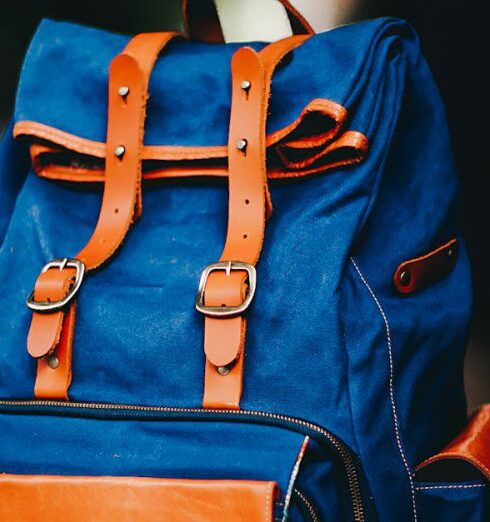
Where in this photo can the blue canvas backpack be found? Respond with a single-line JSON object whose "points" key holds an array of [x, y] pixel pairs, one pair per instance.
{"points": [[321, 382]]}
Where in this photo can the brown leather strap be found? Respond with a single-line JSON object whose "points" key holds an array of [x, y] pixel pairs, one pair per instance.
{"points": [[51, 334], [202, 22], [249, 205]]}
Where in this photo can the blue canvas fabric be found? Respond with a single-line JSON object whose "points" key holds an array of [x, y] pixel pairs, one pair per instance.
{"points": [[329, 339]]}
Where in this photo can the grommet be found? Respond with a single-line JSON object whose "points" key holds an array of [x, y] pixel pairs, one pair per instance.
{"points": [[223, 370], [119, 151], [245, 85], [53, 362], [405, 278], [241, 144], [123, 91]]}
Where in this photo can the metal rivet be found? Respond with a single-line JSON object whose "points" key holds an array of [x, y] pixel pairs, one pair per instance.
{"points": [[224, 370], [241, 144], [53, 362], [450, 252], [405, 278], [119, 151], [123, 91], [245, 85]]}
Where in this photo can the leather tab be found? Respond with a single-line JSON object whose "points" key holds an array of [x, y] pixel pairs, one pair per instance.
{"points": [[416, 274], [45, 330], [472, 445], [36, 498]]}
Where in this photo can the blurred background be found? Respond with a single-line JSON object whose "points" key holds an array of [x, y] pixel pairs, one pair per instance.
{"points": [[455, 38]]}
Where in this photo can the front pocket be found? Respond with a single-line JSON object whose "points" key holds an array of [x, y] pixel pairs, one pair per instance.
{"points": [[101, 499], [174, 444]]}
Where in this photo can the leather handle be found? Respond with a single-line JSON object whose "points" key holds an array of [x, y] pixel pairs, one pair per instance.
{"points": [[202, 22]]}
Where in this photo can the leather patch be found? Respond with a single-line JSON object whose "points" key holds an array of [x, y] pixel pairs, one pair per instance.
{"points": [[416, 274], [471, 447], [35, 498]]}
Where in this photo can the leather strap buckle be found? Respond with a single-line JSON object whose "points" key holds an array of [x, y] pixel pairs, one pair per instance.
{"points": [[228, 267], [54, 306]]}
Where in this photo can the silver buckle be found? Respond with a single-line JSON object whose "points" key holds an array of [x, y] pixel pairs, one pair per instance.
{"points": [[226, 311], [54, 306]]}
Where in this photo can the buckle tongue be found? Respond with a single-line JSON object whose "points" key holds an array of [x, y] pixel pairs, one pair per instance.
{"points": [[54, 306], [228, 267]]}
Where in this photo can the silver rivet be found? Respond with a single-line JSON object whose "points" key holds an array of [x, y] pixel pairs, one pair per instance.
{"points": [[119, 151], [245, 85], [224, 370], [123, 91], [53, 362], [241, 144], [405, 278], [450, 252]]}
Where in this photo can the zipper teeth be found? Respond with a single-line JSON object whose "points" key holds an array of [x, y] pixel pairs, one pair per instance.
{"points": [[308, 504], [351, 471]]}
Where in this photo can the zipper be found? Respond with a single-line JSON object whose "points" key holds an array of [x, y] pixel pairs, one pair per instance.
{"points": [[306, 502], [116, 410]]}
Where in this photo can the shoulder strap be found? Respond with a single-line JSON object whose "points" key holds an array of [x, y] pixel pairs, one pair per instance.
{"points": [[227, 287], [52, 327]]}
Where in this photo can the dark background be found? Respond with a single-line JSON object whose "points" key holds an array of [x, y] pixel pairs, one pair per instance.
{"points": [[456, 40]]}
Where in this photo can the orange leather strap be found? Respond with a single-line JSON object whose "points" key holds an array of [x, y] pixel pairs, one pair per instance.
{"points": [[202, 22], [51, 333], [102, 499], [249, 205]]}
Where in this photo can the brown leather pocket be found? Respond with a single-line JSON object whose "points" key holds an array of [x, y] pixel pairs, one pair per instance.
{"points": [[32, 498]]}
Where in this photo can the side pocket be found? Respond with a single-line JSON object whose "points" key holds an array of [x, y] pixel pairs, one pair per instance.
{"points": [[453, 485]]}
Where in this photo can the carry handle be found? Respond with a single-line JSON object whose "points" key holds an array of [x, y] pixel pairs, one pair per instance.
{"points": [[202, 22]]}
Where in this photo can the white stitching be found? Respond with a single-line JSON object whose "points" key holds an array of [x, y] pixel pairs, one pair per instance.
{"points": [[451, 486], [391, 386], [292, 478]]}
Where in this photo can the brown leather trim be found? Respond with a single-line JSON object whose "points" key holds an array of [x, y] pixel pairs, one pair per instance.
{"points": [[102, 499], [121, 206], [331, 110], [202, 23], [472, 445], [416, 274]]}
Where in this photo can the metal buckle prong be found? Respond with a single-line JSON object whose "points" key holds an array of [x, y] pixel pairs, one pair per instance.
{"points": [[227, 267], [54, 306]]}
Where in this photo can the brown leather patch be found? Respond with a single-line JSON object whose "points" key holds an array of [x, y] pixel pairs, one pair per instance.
{"points": [[36, 498], [416, 274]]}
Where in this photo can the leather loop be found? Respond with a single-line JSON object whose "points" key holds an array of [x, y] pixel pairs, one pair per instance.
{"points": [[121, 205], [249, 206], [202, 23]]}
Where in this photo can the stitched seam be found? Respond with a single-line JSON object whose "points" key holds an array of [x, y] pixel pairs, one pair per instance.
{"points": [[292, 478], [391, 387], [267, 500], [451, 486]]}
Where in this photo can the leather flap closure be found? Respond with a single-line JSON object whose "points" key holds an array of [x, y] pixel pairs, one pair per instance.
{"points": [[35, 498], [315, 120]]}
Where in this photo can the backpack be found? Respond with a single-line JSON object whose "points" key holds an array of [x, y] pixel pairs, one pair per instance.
{"points": [[321, 382]]}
